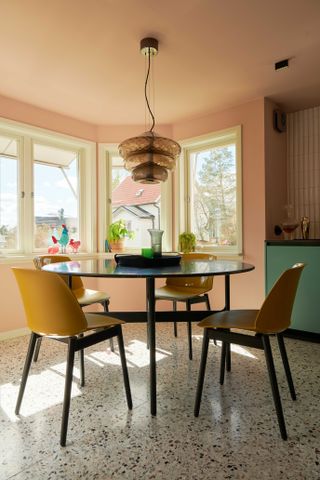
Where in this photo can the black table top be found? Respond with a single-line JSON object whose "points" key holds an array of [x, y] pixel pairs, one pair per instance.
{"points": [[109, 268]]}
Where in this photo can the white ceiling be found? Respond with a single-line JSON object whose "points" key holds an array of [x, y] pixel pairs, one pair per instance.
{"points": [[81, 57]]}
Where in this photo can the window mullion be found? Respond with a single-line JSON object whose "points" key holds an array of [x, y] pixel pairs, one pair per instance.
{"points": [[166, 213], [27, 200], [87, 209], [104, 193]]}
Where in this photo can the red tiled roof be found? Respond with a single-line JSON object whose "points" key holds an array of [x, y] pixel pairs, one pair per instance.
{"points": [[130, 193]]}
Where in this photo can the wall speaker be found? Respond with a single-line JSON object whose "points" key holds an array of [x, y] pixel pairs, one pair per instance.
{"points": [[279, 121]]}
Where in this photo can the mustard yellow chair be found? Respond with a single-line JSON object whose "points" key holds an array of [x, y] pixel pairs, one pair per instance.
{"points": [[53, 312], [272, 319], [188, 290], [84, 296]]}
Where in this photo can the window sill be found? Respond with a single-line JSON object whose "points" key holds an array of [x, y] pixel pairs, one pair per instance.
{"points": [[16, 258]]}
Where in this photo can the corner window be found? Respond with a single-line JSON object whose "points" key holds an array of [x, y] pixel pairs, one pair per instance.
{"points": [[211, 179], [140, 206], [46, 180]]}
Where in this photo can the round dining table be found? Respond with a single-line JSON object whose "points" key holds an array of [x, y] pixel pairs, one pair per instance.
{"points": [[109, 268]]}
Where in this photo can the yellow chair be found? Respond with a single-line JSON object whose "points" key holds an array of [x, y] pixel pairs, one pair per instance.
{"points": [[84, 296], [189, 290], [272, 319], [53, 312]]}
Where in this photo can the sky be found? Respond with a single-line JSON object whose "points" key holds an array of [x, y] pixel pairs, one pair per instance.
{"points": [[51, 190]]}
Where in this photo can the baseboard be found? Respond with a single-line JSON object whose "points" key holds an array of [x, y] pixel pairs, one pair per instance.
{"points": [[302, 335], [20, 332]]}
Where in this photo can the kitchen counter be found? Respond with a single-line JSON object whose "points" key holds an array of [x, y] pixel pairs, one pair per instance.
{"points": [[282, 254]]}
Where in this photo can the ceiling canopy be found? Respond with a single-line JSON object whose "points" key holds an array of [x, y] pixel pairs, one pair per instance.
{"points": [[80, 58]]}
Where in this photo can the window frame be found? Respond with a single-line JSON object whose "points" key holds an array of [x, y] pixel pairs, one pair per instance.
{"points": [[182, 185], [105, 153], [27, 135]]}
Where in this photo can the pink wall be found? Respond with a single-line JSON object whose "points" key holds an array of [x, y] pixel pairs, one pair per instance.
{"points": [[247, 290], [25, 113], [12, 314]]}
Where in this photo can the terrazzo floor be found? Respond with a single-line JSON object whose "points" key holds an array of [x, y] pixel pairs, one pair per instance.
{"points": [[236, 435]]}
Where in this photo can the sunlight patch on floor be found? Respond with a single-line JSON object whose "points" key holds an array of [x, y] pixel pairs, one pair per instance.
{"points": [[43, 390], [138, 355], [103, 358]]}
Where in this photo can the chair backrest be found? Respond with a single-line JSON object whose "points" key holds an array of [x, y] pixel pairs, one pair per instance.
{"points": [[42, 260], [275, 313], [50, 306], [204, 283]]}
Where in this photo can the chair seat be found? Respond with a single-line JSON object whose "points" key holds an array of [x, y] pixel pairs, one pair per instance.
{"points": [[101, 321], [87, 297], [241, 319], [178, 293]]}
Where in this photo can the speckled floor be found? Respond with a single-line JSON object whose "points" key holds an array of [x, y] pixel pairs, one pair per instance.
{"points": [[235, 437]]}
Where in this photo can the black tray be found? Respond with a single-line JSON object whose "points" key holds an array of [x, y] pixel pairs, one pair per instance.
{"points": [[139, 261]]}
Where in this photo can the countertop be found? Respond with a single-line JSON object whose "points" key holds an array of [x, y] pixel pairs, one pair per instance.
{"points": [[312, 242]]}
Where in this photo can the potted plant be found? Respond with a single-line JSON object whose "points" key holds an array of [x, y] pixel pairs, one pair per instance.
{"points": [[187, 242], [117, 232]]}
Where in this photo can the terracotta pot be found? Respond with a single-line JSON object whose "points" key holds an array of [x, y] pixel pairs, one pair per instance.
{"points": [[117, 246]]}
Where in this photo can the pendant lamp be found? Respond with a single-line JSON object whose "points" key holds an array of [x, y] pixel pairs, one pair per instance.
{"points": [[149, 156]]}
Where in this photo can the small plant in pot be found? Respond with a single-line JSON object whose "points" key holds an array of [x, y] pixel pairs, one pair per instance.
{"points": [[117, 232], [187, 242]]}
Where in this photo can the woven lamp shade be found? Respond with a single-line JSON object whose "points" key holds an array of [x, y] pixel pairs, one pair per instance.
{"points": [[149, 157]]}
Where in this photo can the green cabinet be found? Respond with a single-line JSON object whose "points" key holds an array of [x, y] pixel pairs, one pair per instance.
{"points": [[282, 255]]}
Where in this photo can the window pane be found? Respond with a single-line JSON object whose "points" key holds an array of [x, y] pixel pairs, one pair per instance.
{"points": [[56, 187], [136, 203], [213, 196], [9, 211]]}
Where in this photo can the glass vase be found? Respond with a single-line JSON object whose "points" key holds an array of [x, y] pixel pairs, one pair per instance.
{"points": [[156, 241]]}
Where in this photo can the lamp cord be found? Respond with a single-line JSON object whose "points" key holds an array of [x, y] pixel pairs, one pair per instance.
{"points": [[145, 91]]}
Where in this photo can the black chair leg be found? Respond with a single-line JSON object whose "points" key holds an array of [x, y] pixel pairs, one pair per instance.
{"points": [[274, 385], [37, 349], [175, 330], [124, 369], [285, 362], [223, 361], [228, 357], [67, 391], [206, 299], [81, 359], [106, 309], [189, 331], [202, 371], [206, 296], [148, 342], [26, 369], [147, 308]]}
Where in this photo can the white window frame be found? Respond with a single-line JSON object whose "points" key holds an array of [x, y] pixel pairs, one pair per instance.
{"points": [[182, 195], [28, 135], [105, 153]]}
